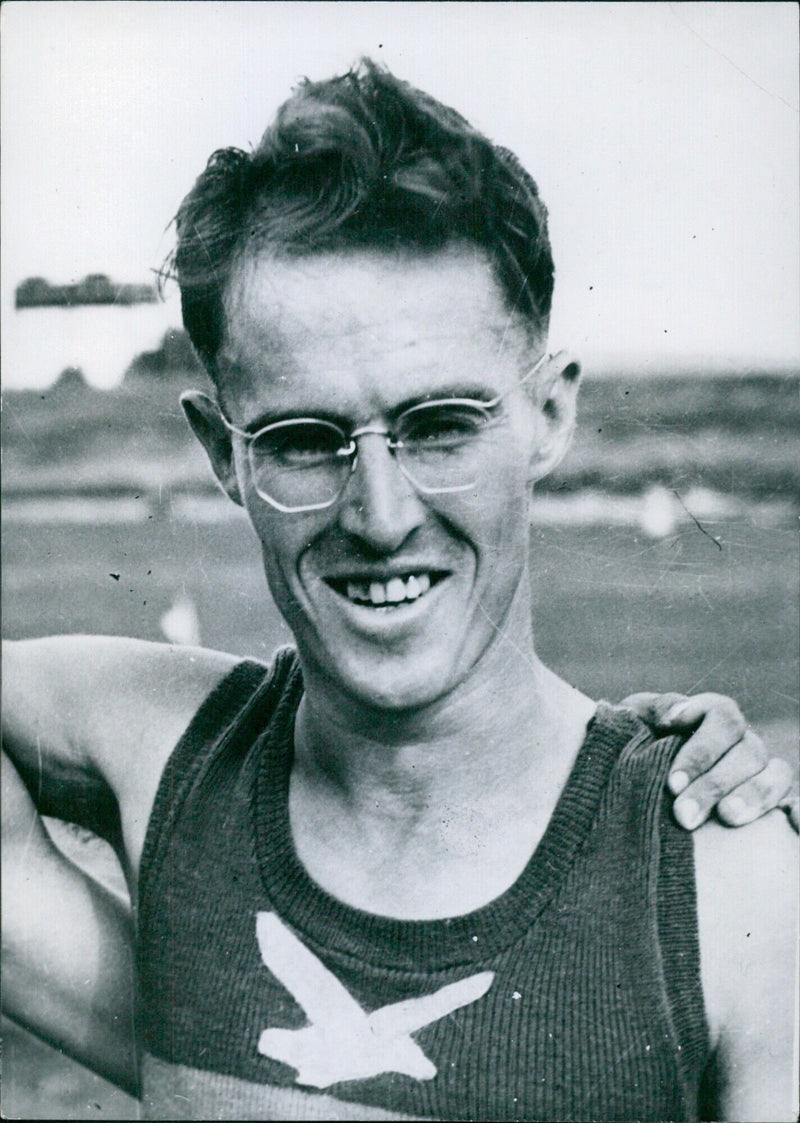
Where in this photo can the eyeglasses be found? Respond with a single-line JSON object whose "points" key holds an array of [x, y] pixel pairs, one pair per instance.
{"points": [[304, 463]]}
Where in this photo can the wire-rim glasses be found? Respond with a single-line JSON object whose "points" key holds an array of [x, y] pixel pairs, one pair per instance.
{"points": [[304, 463]]}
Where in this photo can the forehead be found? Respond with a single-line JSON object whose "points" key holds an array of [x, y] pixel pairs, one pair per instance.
{"points": [[330, 320]]}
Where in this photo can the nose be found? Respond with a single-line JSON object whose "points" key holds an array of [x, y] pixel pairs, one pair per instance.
{"points": [[379, 506]]}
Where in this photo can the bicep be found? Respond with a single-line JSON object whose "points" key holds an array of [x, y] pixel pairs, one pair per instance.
{"points": [[79, 711], [45, 724], [67, 947], [747, 905]]}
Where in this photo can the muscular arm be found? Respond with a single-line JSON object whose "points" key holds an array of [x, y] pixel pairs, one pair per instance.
{"points": [[89, 722], [747, 912], [67, 947], [47, 733]]}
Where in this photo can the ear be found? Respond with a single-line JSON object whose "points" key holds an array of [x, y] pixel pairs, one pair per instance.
{"points": [[207, 425], [555, 394]]}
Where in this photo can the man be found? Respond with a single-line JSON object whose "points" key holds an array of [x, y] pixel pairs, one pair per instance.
{"points": [[406, 871]]}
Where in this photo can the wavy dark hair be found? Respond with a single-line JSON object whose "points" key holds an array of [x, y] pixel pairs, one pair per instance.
{"points": [[363, 160]]}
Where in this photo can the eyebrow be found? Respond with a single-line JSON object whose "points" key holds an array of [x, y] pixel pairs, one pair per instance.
{"points": [[271, 417], [472, 391]]}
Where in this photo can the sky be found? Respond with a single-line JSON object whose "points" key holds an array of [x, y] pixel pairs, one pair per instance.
{"points": [[664, 138]]}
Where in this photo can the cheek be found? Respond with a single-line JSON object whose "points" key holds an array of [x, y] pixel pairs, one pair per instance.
{"points": [[280, 544], [279, 560], [496, 518], [285, 540], [506, 548], [506, 494]]}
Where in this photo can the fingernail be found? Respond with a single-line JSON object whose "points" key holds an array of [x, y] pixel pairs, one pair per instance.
{"points": [[678, 781], [734, 808], [687, 813]]}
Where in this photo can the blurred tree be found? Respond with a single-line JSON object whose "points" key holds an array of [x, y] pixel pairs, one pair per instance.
{"points": [[174, 356], [71, 381]]}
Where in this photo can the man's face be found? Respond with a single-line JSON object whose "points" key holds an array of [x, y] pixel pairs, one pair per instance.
{"points": [[357, 337]]}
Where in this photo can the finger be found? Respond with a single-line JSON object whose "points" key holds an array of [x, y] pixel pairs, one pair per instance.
{"points": [[721, 728], [694, 709], [653, 708], [764, 792], [792, 808], [790, 802], [697, 801]]}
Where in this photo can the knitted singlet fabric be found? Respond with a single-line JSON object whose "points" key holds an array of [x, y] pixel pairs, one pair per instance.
{"points": [[575, 995]]}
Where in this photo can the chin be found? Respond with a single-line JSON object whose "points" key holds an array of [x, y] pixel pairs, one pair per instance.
{"points": [[392, 685]]}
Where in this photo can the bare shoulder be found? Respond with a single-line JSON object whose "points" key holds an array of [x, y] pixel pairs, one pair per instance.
{"points": [[103, 697], [747, 872], [746, 898], [747, 884]]}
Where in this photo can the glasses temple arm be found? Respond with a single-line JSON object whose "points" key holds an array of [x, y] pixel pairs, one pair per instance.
{"points": [[525, 378]]}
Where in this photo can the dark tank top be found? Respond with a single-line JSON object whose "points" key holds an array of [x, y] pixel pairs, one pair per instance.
{"points": [[575, 995]]}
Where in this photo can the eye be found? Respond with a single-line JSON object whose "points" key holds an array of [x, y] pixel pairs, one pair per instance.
{"points": [[441, 426], [299, 444]]}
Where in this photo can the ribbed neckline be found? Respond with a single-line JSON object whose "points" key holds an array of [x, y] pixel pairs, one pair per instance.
{"points": [[424, 945]]}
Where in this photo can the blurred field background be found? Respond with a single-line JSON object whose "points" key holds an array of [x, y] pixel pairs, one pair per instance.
{"points": [[665, 551], [665, 557]]}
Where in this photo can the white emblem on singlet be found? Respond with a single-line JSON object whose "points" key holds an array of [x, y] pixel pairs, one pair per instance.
{"points": [[342, 1041]]}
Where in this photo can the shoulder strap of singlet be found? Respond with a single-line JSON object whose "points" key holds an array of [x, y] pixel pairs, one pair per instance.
{"points": [[249, 686], [671, 850], [679, 940]]}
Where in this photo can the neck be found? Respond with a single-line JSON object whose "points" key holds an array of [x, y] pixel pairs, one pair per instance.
{"points": [[509, 719], [462, 788]]}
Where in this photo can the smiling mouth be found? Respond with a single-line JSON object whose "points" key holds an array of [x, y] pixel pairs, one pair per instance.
{"points": [[389, 594]]}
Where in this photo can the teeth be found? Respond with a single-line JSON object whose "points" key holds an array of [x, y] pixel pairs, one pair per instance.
{"points": [[377, 593], [394, 591]]}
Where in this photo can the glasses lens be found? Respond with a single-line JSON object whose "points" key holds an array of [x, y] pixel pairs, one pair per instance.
{"points": [[441, 443], [298, 463]]}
